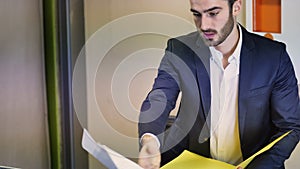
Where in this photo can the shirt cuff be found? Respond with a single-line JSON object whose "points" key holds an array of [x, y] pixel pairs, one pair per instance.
{"points": [[152, 135]]}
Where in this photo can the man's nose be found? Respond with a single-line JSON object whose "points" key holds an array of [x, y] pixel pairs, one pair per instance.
{"points": [[205, 23]]}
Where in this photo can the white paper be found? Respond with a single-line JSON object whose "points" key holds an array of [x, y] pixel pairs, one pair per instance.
{"points": [[99, 151]]}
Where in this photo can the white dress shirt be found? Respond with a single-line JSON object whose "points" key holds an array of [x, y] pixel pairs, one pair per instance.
{"points": [[225, 141]]}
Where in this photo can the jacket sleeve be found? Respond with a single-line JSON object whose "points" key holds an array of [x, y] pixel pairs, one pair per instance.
{"points": [[162, 98]]}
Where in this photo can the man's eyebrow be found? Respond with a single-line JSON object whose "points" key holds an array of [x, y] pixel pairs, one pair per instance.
{"points": [[207, 10], [194, 11]]}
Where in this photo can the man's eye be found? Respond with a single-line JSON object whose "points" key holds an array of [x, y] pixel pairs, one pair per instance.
{"points": [[196, 14], [213, 14]]}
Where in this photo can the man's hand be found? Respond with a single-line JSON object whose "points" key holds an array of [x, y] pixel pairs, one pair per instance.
{"points": [[239, 168], [149, 157]]}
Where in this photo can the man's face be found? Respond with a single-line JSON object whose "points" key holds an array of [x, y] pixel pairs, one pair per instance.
{"points": [[213, 20]]}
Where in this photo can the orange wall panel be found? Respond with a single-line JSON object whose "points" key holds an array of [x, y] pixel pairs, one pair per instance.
{"points": [[267, 16]]}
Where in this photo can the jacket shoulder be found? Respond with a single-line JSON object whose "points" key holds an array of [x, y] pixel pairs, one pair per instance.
{"points": [[187, 42], [260, 41]]}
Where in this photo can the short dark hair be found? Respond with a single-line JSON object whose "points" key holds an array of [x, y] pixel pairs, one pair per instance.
{"points": [[230, 4]]}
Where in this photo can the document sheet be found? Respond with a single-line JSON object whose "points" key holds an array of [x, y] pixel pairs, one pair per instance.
{"points": [[105, 155]]}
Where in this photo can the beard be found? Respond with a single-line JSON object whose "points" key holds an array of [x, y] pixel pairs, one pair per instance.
{"points": [[221, 36]]}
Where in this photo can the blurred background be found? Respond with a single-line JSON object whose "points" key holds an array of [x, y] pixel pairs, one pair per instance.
{"points": [[73, 64]]}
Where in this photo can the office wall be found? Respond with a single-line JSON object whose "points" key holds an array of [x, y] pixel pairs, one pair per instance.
{"points": [[23, 117], [106, 122]]}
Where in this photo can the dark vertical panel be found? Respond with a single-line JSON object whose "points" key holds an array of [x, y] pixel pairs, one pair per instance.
{"points": [[52, 81], [66, 83]]}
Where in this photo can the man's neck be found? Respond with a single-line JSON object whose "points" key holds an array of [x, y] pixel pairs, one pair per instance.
{"points": [[229, 45]]}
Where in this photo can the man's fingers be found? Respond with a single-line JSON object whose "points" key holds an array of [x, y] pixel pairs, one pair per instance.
{"points": [[149, 157]]}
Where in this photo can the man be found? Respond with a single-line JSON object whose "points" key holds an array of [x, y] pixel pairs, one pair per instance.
{"points": [[239, 92]]}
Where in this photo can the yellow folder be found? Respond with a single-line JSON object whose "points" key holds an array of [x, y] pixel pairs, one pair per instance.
{"points": [[189, 160]]}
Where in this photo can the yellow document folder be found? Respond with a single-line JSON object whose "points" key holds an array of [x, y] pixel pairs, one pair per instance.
{"points": [[189, 160]]}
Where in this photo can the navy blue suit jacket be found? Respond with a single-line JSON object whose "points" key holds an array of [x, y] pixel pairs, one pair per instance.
{"points": [[268, 101]]}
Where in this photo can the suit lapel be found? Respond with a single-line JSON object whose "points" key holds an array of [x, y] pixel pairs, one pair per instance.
{"points": [[246, 66], [203, 75]]}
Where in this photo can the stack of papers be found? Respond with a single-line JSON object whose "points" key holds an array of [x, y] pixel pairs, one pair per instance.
{"points": [[186, 160]]}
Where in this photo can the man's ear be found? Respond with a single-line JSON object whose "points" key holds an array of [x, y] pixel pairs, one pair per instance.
{"points": [[237, 7]]}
